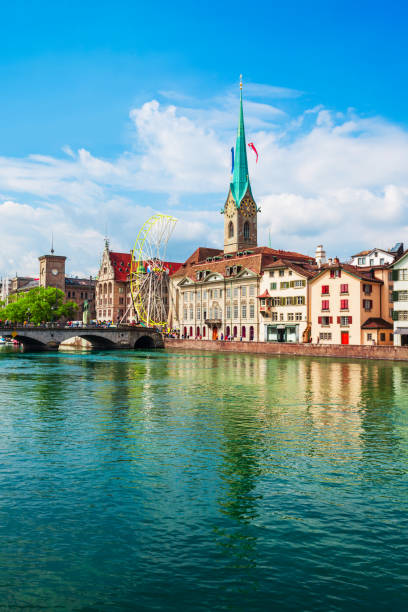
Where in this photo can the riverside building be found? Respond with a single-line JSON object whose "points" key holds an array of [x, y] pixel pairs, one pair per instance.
{"points": [[400, 300], [216, 293]]}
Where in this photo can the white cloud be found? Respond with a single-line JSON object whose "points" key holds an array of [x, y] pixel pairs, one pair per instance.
{"points": [[323, 177]]}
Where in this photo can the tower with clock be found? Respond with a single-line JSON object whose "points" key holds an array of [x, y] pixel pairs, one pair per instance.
{"points": [[52, 271], [240, 210]]}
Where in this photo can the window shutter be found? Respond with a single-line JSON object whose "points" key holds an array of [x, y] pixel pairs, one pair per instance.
{"points": [[338, 319], [350, 319], [303, 283], [331, 319], [319, 320], [339, 273], [371, 303], [292, 283], [395, 275], [395, 315], [395, 296], [331, 273]]}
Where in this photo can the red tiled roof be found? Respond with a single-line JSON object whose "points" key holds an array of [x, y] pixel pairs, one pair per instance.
{"points": [[256, 260], [265, 294], [121, 265], [376, 323], [354, 270]]}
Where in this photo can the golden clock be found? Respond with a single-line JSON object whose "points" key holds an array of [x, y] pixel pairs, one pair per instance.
{"points": [[230, 208], [248, 207]]}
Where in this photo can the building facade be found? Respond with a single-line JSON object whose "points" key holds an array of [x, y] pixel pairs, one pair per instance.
{"points": [[216, 293], [350, 305], [400, 300]]}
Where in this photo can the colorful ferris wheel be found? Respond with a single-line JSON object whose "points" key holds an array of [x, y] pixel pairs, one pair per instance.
{"points": [[149, 273]]}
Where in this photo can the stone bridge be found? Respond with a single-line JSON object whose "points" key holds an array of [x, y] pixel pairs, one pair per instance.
{"points": [[50, 337]]}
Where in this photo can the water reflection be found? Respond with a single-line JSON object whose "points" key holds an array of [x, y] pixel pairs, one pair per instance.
{"points": [[226, 479]]}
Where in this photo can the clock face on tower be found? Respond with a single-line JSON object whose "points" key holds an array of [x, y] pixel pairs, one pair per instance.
{"points": [[248, 207], [54, 271], [230, 207]]}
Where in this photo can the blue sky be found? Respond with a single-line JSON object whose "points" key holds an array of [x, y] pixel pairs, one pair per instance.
{"points": [[324, 80]]}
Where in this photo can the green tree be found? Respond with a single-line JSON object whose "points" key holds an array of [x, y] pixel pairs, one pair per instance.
{"points": [[41, 304]]}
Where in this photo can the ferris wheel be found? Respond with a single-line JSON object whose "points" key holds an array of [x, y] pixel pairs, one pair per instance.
{"points": [[149, 273]]}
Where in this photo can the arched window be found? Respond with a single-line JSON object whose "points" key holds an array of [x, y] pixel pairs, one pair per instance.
{"points": [[191, 332], [227, 332], [234, 333], [243, 331], [230, 230], [251, 333], [204, 328], [246, 230]]}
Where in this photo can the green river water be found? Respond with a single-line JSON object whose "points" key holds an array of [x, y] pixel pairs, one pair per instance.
{"points": [[201, 481]]}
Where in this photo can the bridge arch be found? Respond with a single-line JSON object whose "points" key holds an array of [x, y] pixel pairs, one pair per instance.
{"points": [[145, 342]]}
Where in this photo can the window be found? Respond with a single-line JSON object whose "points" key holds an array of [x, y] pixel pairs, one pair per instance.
{"points": [[228, 311], [325, 336], [121, 300], [325, 304], [367, 289], [367, 304], [291, 316], [344, 304], [300, 299], [281, 272], [210, 293], [391, 336], [198, 313], [121, 289], [369, 336], [344, 288], [371, 262], [228, 292], [246, 230], [252, 290], [69, 294], [191, 313], [361, 261], [271, 272], [235, 311], [290, 272], [235, 291], [281, 316], [276, 301], [184, 313], [243, 310], [251, 311], [243, 291], [402, 296], [325, 320], [344, 320], [335, 273], [230, 230], [382, 337], [204, 294], [403, 274], [285, 285], [274, 316], [381, 264], [272, 286], [216, 293], [298, 316], [325, 289], [401, 315], [299, 283]]}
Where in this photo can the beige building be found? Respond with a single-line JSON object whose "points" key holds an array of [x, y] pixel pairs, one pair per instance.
{"points": [[284, 301], [350, 305]]}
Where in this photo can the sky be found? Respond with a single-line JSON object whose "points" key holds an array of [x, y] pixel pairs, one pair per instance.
{"points": [[111, 112]]}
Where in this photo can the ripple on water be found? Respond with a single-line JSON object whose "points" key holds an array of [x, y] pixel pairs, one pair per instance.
{"points": [[202, 481]]}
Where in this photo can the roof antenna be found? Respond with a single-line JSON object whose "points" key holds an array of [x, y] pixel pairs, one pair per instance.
{"points": [[52, 243]]}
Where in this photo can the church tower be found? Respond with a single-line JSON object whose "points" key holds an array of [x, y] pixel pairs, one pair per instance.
{"points": [[240, 210]]}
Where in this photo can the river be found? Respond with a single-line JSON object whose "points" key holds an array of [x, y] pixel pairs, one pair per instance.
{"points": [[191, 481]]}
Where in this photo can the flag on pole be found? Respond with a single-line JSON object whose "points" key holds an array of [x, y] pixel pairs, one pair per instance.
{"points": [[232, 160], [252, 146]]}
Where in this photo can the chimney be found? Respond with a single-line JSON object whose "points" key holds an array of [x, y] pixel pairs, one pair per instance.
{"points": [[320, 256]]}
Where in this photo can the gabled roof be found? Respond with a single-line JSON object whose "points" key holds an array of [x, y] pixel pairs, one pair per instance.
{"points": [[376, 323], [121, 265], [304, 269], [364, 253], [256, 261], [353, 270], [265, 294]]}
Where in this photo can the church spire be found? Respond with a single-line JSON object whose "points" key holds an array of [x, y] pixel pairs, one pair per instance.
{"points": [[240, 178]]}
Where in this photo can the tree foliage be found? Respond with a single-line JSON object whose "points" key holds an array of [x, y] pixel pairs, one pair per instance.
{"points": [[39, 305]]}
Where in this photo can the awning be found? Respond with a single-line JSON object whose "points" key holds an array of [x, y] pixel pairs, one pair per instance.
{"points": [[403, 331]]}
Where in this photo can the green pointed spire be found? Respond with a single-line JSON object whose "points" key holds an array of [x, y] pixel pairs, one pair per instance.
{"points": [[240, 178]]}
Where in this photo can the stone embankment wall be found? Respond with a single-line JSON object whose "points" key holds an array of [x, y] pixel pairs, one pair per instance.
{"points": [[350, 351]]}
